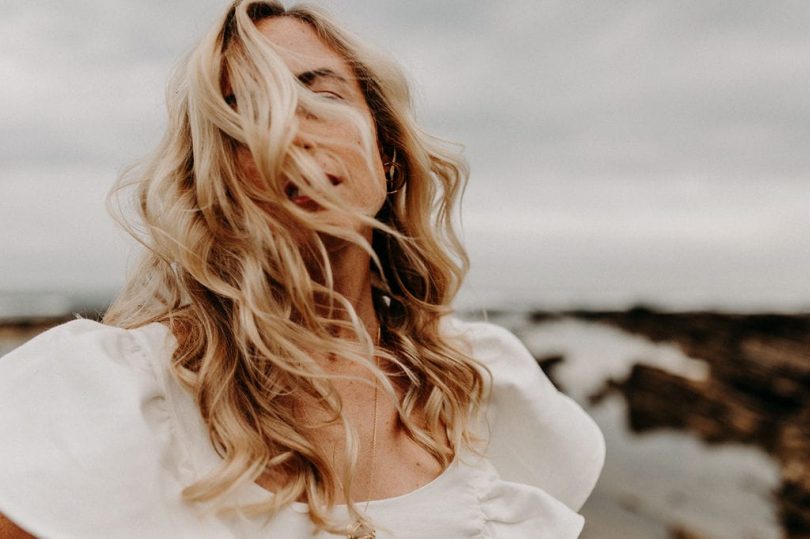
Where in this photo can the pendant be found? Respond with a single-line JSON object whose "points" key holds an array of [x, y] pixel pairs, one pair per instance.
{"points": [[361, 530]]}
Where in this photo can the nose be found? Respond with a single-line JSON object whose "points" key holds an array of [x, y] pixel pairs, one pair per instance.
{"points": [[303, 140]]}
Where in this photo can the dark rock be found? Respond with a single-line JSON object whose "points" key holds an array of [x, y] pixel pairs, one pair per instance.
{"points": [[758, 392], [548, 364]]}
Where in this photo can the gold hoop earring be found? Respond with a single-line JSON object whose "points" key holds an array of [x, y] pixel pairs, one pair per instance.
{"points": [[393, 174]]}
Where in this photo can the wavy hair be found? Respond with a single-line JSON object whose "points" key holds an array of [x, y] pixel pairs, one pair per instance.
{"points": [[242, 276]]}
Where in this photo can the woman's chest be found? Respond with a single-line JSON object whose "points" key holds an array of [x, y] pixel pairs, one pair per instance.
{"points": [[389, 462], [448, 506]]}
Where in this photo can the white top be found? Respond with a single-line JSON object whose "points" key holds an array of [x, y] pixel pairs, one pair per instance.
{"points": [[98, 440]]}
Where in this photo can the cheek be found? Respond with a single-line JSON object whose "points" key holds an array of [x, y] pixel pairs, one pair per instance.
{"points": [[368, 172], [372, 164], [373, 173], [247, 167], [379, 174], [379, 187], [379, 181]]}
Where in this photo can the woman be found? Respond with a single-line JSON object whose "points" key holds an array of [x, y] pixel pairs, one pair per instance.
{"points": [[284, 362]]}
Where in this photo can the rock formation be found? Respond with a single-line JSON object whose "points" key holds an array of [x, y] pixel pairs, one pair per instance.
{"points": [[758, 392]]}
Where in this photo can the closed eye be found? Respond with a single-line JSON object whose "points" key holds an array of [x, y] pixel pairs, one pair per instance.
{"points": [[329, 94]]}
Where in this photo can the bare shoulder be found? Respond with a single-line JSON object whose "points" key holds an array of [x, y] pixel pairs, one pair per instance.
{"points": [[9, 530]]}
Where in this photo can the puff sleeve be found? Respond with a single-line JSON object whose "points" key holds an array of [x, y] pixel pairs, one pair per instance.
{"points": [[83, 435], [538, 435]]}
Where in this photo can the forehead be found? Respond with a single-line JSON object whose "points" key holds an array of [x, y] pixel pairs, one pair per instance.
{"points": [[301, 48]]}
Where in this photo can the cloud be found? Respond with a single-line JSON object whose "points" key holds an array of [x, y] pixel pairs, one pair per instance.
{"points": [[631, 90], [56, 233], [624, 123]]}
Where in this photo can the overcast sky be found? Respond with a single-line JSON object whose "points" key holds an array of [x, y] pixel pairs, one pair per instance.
{"points": [[621, 151]]}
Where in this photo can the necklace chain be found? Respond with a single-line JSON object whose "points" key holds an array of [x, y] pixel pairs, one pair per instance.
{"points": [[360, 529]]}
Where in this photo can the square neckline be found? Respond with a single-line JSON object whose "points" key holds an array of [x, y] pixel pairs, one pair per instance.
{"points": [[257, 490]]}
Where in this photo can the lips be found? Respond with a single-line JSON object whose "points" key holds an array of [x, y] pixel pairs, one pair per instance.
{"points": [[293, 192]]}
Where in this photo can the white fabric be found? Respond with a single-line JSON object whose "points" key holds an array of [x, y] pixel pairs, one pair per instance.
{"points": [[97, 440]]}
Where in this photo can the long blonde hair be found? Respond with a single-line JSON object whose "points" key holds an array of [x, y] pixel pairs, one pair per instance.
{"points": [[240, 273]]}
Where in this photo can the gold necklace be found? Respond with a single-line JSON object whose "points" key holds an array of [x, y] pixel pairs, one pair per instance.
{"points": [[361, 529]]}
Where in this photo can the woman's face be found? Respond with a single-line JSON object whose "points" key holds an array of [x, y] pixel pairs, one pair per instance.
{"points": [[327, 74]]}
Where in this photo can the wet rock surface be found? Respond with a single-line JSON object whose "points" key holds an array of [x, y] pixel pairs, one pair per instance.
{"points": [[758, 391]]}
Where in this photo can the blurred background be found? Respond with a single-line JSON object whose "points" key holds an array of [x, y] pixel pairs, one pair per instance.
{"points": [[637, 213]]}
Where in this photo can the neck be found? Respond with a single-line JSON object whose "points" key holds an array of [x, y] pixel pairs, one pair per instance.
{"points": [[352, 279]]}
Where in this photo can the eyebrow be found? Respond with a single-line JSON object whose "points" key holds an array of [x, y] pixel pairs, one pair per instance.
{"points": [[307, 78]]}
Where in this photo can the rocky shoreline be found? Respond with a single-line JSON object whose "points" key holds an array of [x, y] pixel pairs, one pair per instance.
{"points": [[757, 393]]}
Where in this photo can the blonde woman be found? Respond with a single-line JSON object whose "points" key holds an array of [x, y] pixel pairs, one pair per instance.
{"points": [[285, 362]]}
